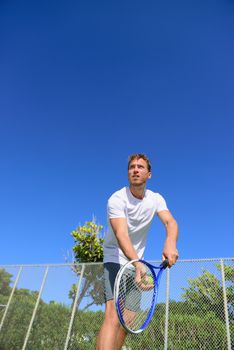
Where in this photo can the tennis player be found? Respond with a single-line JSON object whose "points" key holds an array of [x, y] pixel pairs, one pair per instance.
{"points": [[130, 213]]}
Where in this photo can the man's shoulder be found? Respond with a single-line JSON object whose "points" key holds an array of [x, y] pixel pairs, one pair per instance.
{"points": [[118, 194], [154, 195]]}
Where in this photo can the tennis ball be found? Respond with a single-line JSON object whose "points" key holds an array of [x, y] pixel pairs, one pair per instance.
{"points": [[149, 280]]}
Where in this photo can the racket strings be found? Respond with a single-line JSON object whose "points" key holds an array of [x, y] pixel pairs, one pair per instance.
{"points": [[136, 297]]}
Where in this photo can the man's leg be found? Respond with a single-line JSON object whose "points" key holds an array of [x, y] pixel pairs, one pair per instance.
{"points": [[112, 335], [121, 335]]}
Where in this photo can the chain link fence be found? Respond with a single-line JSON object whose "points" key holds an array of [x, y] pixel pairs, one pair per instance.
{"points": [[57, 307]]}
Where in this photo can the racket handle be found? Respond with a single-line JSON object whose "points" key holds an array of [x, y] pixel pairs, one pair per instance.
{"points": [[165, 263]]}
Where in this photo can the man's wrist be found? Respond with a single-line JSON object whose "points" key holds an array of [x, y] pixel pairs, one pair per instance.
{"points": [[171, 241]]}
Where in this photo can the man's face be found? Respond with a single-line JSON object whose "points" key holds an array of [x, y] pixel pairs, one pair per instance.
{"points": [[138, 172]]}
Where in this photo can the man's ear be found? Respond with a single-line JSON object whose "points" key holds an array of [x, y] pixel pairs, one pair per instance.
{"points": [[150, 174]]}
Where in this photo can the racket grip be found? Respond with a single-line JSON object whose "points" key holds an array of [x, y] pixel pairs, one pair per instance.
{"points": [[165, 263]]}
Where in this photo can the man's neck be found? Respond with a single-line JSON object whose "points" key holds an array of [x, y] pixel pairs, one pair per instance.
{"points": [[138, 191]]}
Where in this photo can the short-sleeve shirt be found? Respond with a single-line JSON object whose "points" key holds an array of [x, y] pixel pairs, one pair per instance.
{"points": [[139, 214]]}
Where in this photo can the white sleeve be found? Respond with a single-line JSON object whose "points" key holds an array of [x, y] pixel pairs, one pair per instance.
{"points": [[115, 208], [161, 204]]}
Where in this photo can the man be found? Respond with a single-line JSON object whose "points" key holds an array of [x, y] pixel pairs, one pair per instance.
{"points": [[130, 213]]}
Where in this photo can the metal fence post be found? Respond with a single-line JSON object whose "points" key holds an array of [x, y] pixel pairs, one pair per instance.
{"points": [[225, 306], [74, 308], [11, 296], [35, 309], [167, 310]]}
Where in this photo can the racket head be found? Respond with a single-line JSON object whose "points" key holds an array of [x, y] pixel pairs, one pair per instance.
{"points": [[135, 300]]}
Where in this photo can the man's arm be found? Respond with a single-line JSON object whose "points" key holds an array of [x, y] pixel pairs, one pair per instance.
{"points": [[120, 228], [170, 251]]}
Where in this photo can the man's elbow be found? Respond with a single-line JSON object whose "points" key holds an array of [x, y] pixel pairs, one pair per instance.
{"points": [[171, 222]]}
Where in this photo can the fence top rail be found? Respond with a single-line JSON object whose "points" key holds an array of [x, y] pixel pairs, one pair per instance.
{"points": [[100, 263]]}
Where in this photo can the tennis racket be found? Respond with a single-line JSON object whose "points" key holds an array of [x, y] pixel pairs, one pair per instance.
{"points": [[135, 293]]}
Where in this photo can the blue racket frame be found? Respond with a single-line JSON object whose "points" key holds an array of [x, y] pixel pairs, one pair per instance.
{"points": [[157, 278]]}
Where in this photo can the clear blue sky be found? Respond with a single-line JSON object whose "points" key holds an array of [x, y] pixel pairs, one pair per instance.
{"points": [[83, 84]]}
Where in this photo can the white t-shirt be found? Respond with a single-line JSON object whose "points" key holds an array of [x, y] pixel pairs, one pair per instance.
{"points": [[139, 214]]}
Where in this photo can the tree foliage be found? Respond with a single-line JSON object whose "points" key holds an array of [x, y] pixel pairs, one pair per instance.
{"points": [[88, 243], [88, 248], [205, 293], [5, 280]]}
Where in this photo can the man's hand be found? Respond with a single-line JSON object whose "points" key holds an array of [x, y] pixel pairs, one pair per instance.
{"points": [[170, 252], [141, 278], [140, 272]]}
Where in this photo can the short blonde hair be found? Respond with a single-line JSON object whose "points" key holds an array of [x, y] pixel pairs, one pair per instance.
{"points": [[139, 156]]}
